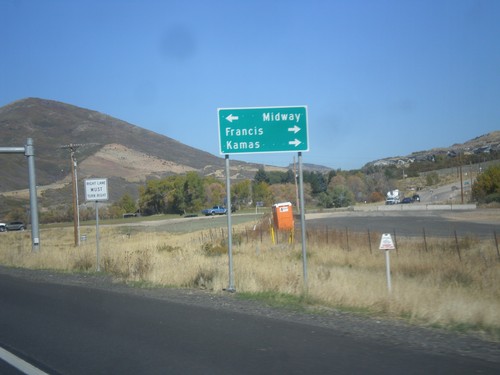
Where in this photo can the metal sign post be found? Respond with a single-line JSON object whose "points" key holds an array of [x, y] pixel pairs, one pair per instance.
{"points": [[387, 244], [29, 152], [98, 268], [263, 130], [231, 287], [303, 222], [96, 190]]}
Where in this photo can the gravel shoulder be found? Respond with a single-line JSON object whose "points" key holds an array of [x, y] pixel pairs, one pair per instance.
{"points": [[391, 332]]}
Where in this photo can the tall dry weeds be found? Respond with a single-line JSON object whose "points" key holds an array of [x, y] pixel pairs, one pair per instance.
{"points": [[431, 285]]}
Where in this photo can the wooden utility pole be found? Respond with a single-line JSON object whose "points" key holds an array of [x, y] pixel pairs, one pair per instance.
{"points": [[74, 177], [76, 217]]}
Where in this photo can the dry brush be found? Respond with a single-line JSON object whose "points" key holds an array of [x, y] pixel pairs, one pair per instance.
{"points": [[432, 284]]}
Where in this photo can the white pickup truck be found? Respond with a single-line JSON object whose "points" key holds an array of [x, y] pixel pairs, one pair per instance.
{"points": [[392, 197], [2, 227]]}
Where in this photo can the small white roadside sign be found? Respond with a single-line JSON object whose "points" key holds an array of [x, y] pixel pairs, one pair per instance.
{"points": [[96, 189], [386, 242]]}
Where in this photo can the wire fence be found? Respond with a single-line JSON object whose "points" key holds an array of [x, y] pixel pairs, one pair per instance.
{"points": [[349, 239]]}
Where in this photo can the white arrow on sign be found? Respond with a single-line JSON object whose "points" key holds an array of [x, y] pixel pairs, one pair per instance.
{"points": [[230, 118], [295, 129], [296, 142]]}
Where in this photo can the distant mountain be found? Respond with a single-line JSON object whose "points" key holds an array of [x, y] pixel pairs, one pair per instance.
{"points": [[310, 167], [124, 153], [105, 147], [109, 147]]}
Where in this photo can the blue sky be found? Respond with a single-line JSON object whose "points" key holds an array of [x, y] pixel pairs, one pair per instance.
{"points": [[380, 77]]}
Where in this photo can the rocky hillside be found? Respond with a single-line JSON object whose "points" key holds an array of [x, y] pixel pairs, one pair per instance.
{"points": [[108, 147], [484, 144], [124, 153]]}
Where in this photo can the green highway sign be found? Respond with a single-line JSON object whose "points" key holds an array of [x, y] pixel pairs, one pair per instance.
{"points": [[263, 129]]}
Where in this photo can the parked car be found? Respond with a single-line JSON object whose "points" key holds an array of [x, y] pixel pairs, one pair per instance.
{"points": [[215, 210], [15, 225], [2, 227], [416, 198], [407, 200]]}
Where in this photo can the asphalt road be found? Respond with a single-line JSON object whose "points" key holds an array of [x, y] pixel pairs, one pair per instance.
{"points": [[66, 329], [409, 223], [449, 193], [7, 369], [438, 223]]}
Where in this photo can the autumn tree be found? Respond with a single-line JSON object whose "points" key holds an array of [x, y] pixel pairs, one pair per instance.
{"points": [[341, 196], [127, 203], [215, 193], [192, 193], [283, 193], [357, 186], [152, 197], [486, 189], [261, 176], [241, 193], [262, 193]]}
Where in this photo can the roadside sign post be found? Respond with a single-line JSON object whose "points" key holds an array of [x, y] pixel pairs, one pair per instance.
{"points": [[96, 190], [231, 288], [302, 223], [263, 130], [387, 244], [29, 151]]}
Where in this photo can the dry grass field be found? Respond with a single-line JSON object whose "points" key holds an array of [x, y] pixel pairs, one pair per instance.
{"points": [[445, 283]]}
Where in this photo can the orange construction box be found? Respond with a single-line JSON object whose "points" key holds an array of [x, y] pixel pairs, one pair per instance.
{"points": [[283, 215]]}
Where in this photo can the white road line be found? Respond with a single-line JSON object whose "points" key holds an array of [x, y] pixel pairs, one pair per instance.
{"points": [[20, 364]]}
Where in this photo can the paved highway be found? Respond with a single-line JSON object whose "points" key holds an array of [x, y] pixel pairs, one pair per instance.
{"points": [[67, 329], [407, 223]]}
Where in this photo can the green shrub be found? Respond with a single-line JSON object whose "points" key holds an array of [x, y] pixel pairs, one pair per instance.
{"points": [[166, 248], [214, 250], [84, 262]]}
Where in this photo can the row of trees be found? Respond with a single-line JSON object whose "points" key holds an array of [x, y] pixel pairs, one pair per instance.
{"points": [[340, 188], [190, 193]]}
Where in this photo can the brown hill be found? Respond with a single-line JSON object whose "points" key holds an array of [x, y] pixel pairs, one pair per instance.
{"points": [[124, 153], [112, 148]]}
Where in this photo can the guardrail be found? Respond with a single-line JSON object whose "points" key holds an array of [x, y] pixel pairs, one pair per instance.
{"points": [[416, 207]]}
